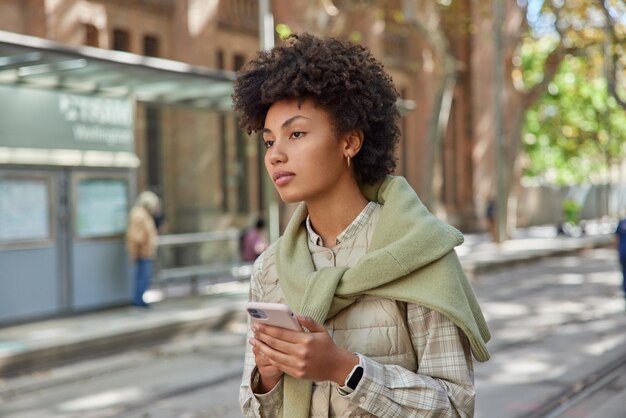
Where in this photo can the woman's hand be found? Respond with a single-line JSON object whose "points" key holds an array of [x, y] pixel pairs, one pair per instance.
{"points": [[269, 375], [309, 355]]}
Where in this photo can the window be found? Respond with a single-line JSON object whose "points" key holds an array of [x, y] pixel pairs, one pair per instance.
{"points": [[121, 40], [101, 208], [92, 35], [219, 59], [151, 46], [239, 15], [24, 209], [238, 62]]}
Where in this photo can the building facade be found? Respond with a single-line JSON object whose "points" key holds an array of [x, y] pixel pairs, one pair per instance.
{"points": [[186, 144], [225, 34]]}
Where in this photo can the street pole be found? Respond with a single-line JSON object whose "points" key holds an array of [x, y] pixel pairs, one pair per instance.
{"points": [[266, 25], [266, 39], [501, 207]]}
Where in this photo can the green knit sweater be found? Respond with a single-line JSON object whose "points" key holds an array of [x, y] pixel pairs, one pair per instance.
{"points": [[411, 258]]}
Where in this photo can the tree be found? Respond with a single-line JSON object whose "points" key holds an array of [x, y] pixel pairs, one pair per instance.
{"points": [[577, 130], [567, 28]]}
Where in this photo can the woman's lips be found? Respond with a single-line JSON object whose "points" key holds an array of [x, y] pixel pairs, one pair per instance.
{"points": [[283, 177]]}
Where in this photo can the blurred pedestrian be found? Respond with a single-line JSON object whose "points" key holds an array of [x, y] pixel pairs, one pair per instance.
{"points": [[392, 320], [160, 222], [490, 215], [253, 241], [141, 240], [620, 241]]}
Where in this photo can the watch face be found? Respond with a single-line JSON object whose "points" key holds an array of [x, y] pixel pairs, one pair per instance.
{"points": [[355, 378]]}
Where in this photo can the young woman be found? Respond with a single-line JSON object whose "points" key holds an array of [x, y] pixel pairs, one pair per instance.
{"points": [[390, 319]]}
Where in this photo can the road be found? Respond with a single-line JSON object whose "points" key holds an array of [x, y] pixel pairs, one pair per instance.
{"points": [[194, 373], [558, 325], [558, 338]]}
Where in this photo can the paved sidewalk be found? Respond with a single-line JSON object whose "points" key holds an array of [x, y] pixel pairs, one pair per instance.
{"points": [[42, 344], [479, 255]]}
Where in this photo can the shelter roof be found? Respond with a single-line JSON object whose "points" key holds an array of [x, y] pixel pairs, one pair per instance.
{"points": [[41, 63]]}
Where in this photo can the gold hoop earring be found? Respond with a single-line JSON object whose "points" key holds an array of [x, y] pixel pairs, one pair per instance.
{"points": [[348, 158]]}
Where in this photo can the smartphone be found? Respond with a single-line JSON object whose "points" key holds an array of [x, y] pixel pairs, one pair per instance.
{"points": [[276, 314]]}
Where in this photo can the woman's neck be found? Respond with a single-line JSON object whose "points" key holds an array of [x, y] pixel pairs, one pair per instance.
{"points": [[332, 216]]}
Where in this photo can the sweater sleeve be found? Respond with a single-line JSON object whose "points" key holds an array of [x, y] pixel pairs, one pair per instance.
{"points": [[443, 385]]}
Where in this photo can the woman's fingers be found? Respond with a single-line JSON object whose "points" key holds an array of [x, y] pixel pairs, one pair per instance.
{"points": [[275, 357], [282, 334], [293, 345], [299, 354]]}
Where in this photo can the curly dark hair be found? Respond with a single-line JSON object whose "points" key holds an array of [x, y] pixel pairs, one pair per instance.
{"points": [[341, 77]]}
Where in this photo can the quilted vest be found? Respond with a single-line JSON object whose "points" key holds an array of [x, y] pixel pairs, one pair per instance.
{"points": [[374, 327]]}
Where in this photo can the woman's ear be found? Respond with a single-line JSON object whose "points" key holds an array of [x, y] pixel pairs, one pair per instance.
{"points": [[353, 141]]}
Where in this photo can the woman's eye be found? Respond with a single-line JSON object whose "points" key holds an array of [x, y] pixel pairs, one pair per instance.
{"points": [[297, 134], [268, 144]]}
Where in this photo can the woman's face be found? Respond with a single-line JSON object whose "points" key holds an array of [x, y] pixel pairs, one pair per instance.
{"points": [[304, 156]]}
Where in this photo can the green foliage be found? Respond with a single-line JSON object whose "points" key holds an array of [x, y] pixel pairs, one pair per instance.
{"points": [[576, 128], [571, 211], [531, 59], [283, 31]]}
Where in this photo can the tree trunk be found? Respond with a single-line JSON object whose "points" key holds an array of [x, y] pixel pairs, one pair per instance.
{"points": [[426, 21], [516, 103], [610, 55]]}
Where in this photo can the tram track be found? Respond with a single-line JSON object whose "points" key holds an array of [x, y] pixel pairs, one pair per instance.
{"points": [[186, 366], [558, 348], [98, 368], [546, 331], [581, 390], [144, 405]]}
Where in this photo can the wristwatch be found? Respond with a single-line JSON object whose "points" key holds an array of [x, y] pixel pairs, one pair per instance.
{"points": [[353, 379]]}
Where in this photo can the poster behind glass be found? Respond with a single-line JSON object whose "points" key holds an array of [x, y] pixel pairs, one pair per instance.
{"points": [[102, 207], [24, 210]]}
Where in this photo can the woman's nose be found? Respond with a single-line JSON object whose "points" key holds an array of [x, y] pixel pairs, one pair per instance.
{"points": [[276, 153]]}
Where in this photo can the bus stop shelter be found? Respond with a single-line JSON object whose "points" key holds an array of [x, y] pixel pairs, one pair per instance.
{"points": [[67, 167]]}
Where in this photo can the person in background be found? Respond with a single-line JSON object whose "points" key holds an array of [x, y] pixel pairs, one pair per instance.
{"points": [[141, 238], [253, 242], [390, 318], [620, 243], [160, 222], [490, 216]]}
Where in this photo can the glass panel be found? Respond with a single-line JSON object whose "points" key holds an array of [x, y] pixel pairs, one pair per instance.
{"points": [[154, 162], [102, 207], [24, 210]]}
